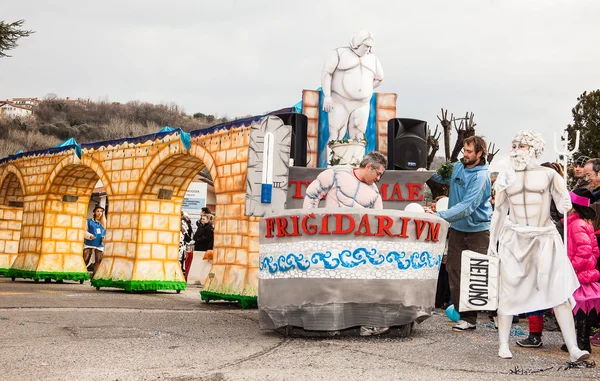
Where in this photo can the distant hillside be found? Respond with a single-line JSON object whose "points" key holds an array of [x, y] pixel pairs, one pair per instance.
{"points": [[54, 121]]}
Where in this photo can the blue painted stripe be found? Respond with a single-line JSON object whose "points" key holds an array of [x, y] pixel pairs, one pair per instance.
{"points": [[323, 133], [371, 133]]}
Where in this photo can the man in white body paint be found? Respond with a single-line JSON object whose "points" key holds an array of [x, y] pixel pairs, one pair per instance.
{"points": [[536, 273]]}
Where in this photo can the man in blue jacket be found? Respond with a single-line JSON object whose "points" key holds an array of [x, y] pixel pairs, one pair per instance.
{"points": [[469, 213]]}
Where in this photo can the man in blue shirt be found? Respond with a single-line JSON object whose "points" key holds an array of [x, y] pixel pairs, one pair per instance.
{"points": [[94, 238], [469, 213]]}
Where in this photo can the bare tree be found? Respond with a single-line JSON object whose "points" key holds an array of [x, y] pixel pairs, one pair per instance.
{"points": [[492, 151], [433, 144], [447, 126], [465, 129]]}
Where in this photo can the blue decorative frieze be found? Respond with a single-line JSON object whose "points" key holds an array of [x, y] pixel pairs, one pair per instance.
{"points": [[350, 260]]}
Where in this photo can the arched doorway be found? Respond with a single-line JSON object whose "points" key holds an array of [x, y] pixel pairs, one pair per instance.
{"points": [[153, 262], [53, 247], [11, 214]]}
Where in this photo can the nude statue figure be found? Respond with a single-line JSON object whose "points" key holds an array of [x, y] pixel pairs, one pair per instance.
{"points": [[349, 76]]}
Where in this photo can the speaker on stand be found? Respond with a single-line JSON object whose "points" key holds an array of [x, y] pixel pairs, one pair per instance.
{"points": [[299, 123], [407, 144]]}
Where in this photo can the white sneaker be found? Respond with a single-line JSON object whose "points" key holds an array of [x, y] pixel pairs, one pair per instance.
{"points": [[373, 331], [463, 326]]}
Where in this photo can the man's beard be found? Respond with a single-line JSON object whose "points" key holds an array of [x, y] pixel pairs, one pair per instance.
{"points": [[469, 162], [520, 159]]}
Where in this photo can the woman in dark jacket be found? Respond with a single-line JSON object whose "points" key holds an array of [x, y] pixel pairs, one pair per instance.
{"points": [[203, 238]]}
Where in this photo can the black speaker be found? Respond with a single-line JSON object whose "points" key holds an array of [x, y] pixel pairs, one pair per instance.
{"points": [[407, 144], [299, 123]]}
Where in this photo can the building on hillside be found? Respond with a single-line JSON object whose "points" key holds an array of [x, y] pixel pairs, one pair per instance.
{"points": [[33, 102], [13, 110]]}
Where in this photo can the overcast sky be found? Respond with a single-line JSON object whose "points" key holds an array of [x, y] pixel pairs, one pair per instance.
{"points": [[517, 64]]}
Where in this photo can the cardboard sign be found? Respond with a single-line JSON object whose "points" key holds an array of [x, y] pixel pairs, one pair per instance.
{"points": [[479, 275]]}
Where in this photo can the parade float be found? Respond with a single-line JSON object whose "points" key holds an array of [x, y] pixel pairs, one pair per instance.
{"points": [[330, 270], [341, 267]]}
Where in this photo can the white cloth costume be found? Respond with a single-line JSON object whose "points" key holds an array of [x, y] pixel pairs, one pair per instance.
{"points": [[535, 272], [343, 190]]}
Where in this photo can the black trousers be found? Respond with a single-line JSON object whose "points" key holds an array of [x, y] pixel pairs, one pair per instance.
{"points": [[459, 241]]}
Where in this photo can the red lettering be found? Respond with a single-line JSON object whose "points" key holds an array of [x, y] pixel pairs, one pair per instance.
{"points": [[296, 183], [309, 229], [339, 223], [420, 225], [404, 227], [413, 192], [295, 232], [281, 225], [324, 224], [433, 233], [364, 224], [269, 226], [397, 193], [299, 193], [384, 223], [383, 192]]}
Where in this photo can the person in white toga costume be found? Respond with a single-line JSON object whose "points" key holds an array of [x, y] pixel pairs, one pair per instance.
{"points": [[535, 272]]}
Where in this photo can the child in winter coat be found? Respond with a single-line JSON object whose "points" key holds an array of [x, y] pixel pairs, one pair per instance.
{"points": [[583, 252]]}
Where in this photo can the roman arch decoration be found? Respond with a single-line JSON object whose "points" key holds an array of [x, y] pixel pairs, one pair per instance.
{"points": [[44, 197]]}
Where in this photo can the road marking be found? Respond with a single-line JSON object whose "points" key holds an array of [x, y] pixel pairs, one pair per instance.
{"points": [[14, 293], [50, 291]]}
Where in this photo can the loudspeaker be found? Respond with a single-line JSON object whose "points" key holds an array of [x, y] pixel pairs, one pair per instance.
{"points": [[299, 123], [407, 144]]}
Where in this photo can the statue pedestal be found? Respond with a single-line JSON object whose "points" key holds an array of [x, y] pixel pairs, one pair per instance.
{"points": [[336, 268], [347, 153]]}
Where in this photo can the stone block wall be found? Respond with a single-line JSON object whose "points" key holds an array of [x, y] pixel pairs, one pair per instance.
{"points": [[310, 108], [10, 234], [235, 261], [386, 110]]}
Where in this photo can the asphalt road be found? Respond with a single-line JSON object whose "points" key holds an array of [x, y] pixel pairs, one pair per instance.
{"points": [[73, 332]]}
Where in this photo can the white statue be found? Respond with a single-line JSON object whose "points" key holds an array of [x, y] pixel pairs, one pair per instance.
{"points": [[349, 76], [536, 273]]}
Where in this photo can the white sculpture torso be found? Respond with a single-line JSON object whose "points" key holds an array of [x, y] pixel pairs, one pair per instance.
{"points": [[353, 76], [349, 76]]}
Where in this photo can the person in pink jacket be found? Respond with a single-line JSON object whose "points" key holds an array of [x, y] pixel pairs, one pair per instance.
{"points": [[583, 252]]}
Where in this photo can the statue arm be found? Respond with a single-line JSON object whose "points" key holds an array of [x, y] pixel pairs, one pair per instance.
{"points": [[498, 217], [560, 195], [329, 67], [317, 189], [378, 79]]}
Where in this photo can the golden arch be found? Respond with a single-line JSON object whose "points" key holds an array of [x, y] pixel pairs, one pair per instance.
{"points": [[15, 171], [195, 151]]}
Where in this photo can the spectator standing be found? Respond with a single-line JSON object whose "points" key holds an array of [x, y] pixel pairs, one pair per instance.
{"points": [[94, 238], [583, 252], [469, 213]]}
